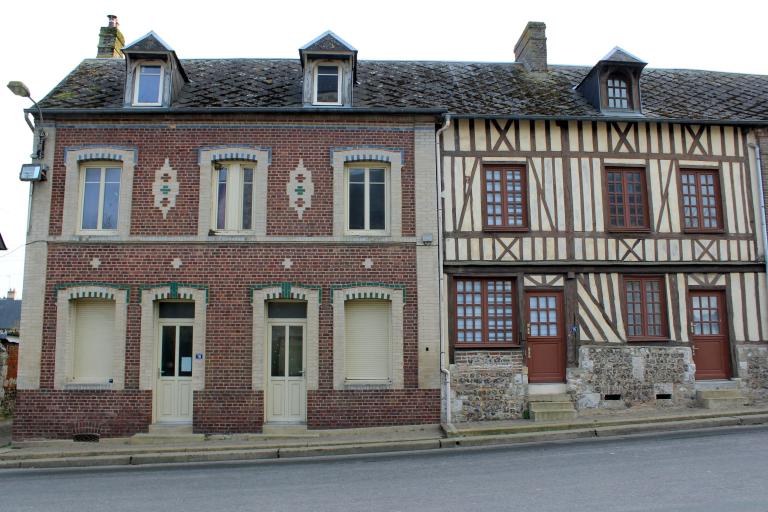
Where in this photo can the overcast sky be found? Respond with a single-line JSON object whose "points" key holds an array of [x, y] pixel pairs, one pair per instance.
{"points": [[42, 41]]}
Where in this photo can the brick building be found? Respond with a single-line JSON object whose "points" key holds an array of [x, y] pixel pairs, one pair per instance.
{"points": [[231, 243]]}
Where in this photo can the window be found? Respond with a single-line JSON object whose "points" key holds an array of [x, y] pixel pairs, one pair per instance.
{"points": [[485, 312], [646, 308], [94, 343], [618, 92], [627, 199], [367, 351], [504, 199], [702, 210], [327, 84], [367, 199], [148, 90], [233, 196], [100, 193]]}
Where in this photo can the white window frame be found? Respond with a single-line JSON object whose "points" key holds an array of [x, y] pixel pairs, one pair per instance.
{"points": [[315, 83], [366, 203], [234, 196], [103, 166], [137, 83]]}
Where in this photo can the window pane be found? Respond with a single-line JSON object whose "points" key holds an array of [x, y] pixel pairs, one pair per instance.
{"points": [[278, 351], [91, 198], [287, 309], [185, 351], [356, 205], [327, 84], [168, 355], [177, 310], [221, 213], [295, 351], [377, 212], [247, 198], [111, 199], [149, 84]]}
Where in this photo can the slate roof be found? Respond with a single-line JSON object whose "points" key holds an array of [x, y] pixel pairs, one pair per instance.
{"points": [[10, 314], [461, 88]]}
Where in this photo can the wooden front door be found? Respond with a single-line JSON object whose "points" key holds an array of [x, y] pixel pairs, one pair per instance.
{"points": [[546, 336], [709, 335], [287, 394], [174, 381]]}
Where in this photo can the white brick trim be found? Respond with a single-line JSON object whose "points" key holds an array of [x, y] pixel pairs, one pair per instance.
{"points": [[73, 158], [259, 355], [340, 296], [339, 158], [208, 156], [148, 364], [63, 377]]}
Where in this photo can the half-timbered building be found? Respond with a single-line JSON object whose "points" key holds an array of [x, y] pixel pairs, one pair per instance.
{"points": [[604, 243]]}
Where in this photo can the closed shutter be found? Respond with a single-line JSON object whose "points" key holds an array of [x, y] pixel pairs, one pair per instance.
{"points": [[94, 339], [367, 345]]}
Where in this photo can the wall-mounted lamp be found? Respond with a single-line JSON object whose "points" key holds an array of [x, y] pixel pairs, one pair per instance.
{"points": [[19, 89], [32, 172]]}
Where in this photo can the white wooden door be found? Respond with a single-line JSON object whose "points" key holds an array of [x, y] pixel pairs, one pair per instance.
{"points": [[287, 390], [174, 382]]}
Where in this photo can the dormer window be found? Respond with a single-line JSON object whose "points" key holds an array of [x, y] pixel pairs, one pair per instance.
{"points": [[149, 85], [327, 84], [154, 74], [618, 92]]}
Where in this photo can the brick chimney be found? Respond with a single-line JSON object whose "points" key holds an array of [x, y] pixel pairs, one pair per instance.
{"points": [[111, 40], [11, 294], [531, 48]]}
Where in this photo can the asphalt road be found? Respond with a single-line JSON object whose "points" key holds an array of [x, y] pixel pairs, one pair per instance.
{"points": [[719, 471]]}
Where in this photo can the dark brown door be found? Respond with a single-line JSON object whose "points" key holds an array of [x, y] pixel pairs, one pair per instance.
{"points": [[546, 336], [709, 335]]}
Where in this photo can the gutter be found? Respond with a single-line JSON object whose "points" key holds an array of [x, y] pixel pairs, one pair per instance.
{"points": [[759, 162], [441, 276]]}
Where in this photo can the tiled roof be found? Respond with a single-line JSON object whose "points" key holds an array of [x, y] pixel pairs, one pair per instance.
{"points": [[461, 88]]}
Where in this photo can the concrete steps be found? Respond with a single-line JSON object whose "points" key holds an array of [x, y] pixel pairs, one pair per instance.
{"points": [[720, 398], [551, 407]]}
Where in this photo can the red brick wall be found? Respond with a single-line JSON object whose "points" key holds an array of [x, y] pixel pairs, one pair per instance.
{"points": [[351, 409], [180, 143]]}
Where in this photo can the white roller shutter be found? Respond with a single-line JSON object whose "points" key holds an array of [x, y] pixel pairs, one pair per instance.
{"points": [[94, 340], [367, 343]]}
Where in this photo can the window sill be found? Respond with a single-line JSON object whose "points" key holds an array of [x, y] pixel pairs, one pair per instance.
{"points": [[505, 229], [704, 231], [88, 386], [628, 231], [367, 384]]}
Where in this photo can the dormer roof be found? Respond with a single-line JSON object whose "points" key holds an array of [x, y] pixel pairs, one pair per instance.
{"points": [[329, 46], [621, 55], [151, 45]]}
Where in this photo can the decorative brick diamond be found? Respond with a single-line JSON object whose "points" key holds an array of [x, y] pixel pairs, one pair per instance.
{"points": [[176, 263], [95, 262], [287, 263], [368, 263]]}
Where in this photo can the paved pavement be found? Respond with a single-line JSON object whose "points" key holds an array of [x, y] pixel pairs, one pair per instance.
{"points": [[719, 470]]}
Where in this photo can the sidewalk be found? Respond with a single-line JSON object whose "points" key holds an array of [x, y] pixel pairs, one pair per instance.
{"points": [[147, 449]]}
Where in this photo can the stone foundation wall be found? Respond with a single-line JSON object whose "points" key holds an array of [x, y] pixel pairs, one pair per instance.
{"points": [[753, 370], [633, 374], [487, 385]]}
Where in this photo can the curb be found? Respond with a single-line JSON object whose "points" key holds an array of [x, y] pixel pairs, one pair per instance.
{"points": [[244, 455]]}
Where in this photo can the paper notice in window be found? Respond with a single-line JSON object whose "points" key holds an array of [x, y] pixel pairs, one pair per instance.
{"points": [[186, 364]]}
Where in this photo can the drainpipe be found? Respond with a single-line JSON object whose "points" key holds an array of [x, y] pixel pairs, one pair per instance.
{"points": [[762, 203], [441, 279]]}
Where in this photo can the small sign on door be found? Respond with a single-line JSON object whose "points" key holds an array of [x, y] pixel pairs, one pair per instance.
{"points": [[199, 355]]}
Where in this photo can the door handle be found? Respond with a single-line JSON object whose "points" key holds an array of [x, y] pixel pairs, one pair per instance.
{"points": [[691, 327], [528, 328], [529, 351]]}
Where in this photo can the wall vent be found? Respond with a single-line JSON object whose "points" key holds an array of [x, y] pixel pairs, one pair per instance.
{"points": [[611, 397]]}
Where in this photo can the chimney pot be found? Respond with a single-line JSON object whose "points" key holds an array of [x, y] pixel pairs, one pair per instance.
{"points": [[11, 294], [531, 48], [111, 40]]}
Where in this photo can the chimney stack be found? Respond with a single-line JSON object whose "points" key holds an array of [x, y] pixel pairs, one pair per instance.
{"points": [[111, 40], [531, 48], [11, 294]]}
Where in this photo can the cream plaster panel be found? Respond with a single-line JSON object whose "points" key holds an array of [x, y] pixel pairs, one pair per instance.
{"points": [[207, 159], [397, 375], [260, 347], [63, 377], [35, 261], [148, 363], [74, 158], [395, 159]]}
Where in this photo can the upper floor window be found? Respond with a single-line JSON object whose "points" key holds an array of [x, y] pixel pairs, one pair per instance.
{"points": [[327, 87], [505, 201], [645, 302], [618, 92], [100, 197], [485, 312], [627, 199], [148, 90], [233, 196], [367, 198], [702, 210]]}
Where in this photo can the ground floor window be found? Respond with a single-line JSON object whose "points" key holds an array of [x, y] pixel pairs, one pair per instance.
{"points": [[485, 312], [367, 340], [94, 340]]}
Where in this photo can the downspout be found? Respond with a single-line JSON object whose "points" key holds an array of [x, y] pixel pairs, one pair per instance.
{"points": [[441, 279], [762, 203]]}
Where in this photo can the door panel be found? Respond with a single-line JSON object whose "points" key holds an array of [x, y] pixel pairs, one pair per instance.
{"points": [[287, 387], [709, 335], [174, 383], [546, 336]]}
